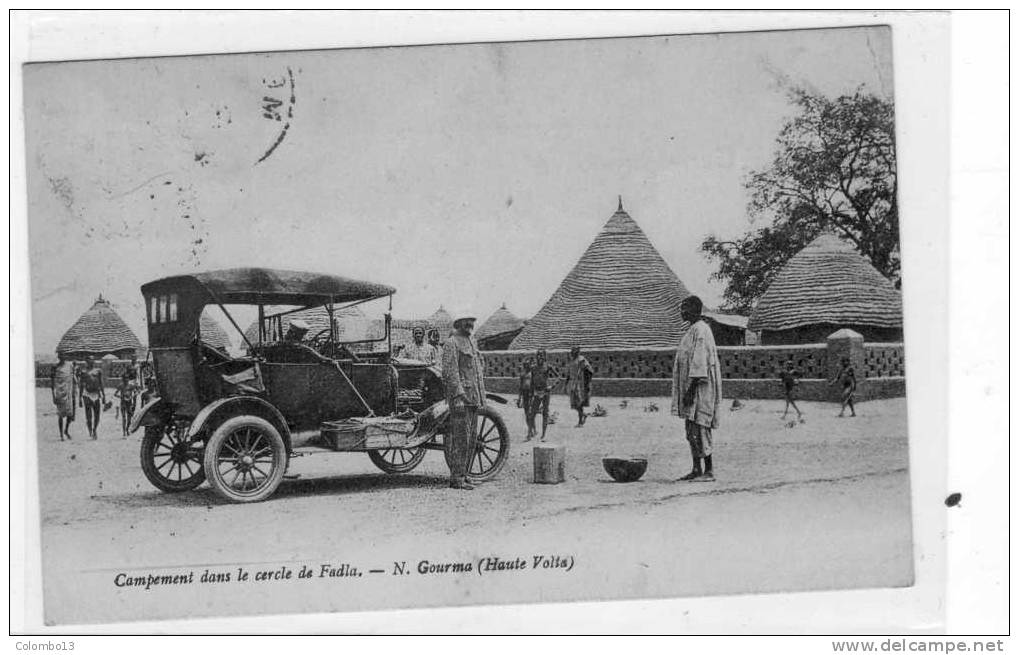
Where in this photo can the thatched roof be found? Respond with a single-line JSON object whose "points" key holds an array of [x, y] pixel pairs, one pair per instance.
{"points": [[828, 282], [441, 319], [99, 331], [621, 294], [213, 333], [500, 322], [351, 323]]}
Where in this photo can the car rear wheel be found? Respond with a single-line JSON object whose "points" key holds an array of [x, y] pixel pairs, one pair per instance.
{"points": [[169, 462], [491, 446], [397, 460], [245, 459]]}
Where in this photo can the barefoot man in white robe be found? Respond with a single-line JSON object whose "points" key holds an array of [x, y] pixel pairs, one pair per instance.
{"points": [[697, 388]]}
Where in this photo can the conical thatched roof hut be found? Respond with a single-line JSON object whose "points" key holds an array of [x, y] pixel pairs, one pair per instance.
{"points": [[213, 333], [442, 320], [621, 294], [99, 331], [827, 286], [499, 330]]}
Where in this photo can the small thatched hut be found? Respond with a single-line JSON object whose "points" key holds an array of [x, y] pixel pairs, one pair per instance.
{"points": [[825, 287], [213, 333], [620, 294], [498, 330], [98, 332], [728, 329], [443, 321]]}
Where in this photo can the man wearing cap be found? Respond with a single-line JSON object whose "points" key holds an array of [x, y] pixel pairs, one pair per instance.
{"points": [[419, 350], [464, 378], [296, 331]]}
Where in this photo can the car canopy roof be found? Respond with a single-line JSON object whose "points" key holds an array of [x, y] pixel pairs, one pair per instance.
{"points": [[271, 286]]}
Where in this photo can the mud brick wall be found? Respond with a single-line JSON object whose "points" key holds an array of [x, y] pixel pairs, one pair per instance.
{"points": [[764, 362], [884, 360], [747, 371], [743, 362]]}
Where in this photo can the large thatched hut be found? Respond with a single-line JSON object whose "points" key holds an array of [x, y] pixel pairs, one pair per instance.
{"points": [[98, 332], [620, 294], [498, 330], [825, 287]]}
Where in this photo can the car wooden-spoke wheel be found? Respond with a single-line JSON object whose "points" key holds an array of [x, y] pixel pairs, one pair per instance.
{"points": [[491, 446], [397, 460], [171, 463], [245, 459]]}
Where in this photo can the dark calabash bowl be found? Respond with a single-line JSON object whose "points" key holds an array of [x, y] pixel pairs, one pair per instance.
{"points": [[624, 469]]}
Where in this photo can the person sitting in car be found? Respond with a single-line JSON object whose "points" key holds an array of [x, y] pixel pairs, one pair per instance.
{"points": [[419, 350], [296, 332]]}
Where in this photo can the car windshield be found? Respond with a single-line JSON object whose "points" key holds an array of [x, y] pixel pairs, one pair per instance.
{"points": [[238, 329]]}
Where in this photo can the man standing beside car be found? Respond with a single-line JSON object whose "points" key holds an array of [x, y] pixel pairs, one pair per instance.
{"points": [[464, 379]]}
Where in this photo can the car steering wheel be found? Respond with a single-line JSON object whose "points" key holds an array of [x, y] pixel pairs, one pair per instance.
{"points": [[322, 338], [319, 340]]}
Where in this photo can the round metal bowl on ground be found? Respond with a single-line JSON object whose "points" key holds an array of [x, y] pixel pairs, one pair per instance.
{"points": [[624, 469]]}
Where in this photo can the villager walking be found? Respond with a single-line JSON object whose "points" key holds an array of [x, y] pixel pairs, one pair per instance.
{"points": [[697, 388], [578, 383], [847, 376], [63, 386], [92, 394], [464, 379]]}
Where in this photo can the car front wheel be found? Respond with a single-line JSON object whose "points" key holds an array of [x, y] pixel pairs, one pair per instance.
{"points": [[245, 459], [491, 446]]}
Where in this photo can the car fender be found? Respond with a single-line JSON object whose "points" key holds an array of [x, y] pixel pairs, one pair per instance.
{"points": [[432, 420], [148, 414], [232, 406]]}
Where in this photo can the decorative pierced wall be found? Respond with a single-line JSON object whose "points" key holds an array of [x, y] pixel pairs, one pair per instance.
{"points": [[884, 360], [740, 362]]}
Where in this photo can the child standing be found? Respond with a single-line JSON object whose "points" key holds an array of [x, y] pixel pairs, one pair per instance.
{"points": [[790, 377], [127, 392], [524, 396]]}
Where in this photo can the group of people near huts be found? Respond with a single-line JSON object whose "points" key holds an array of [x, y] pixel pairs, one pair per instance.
{"points": [[790, 376], [696, 390], [539, 379], [84, 387], [696, 393]]}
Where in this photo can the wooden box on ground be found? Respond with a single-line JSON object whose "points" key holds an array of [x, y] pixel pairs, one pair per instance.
{"points": [[549, 464]]}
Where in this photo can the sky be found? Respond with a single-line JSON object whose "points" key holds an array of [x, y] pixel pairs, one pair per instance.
{"points": [[466, 176]]}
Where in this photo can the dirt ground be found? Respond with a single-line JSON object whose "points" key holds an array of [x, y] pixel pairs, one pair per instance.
{"points": [[815, 505]]}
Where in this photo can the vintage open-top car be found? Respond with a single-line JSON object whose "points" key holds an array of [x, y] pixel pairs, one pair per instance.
{"points": [[237, 421]]}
